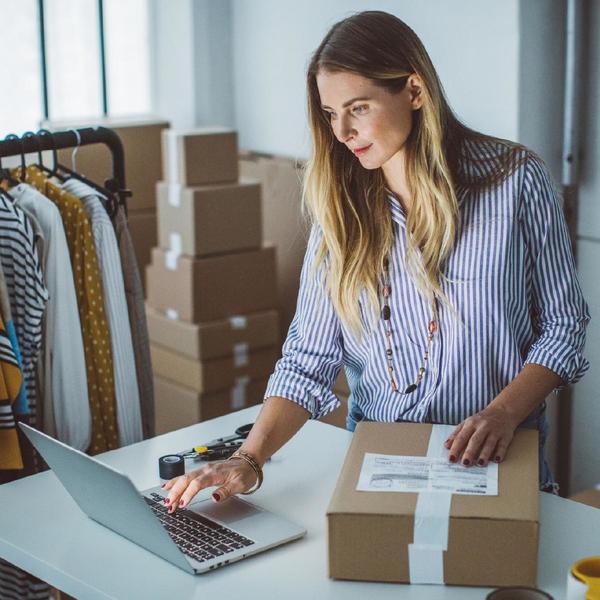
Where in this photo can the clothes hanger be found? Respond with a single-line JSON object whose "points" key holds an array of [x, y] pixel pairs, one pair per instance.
{"points": [[107, 197], [50, 172]]}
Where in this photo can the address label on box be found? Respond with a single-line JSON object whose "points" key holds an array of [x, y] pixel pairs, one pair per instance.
{"points": [[391, 473]]}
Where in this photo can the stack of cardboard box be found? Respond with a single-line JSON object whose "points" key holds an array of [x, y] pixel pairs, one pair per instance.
{"points": [[212, 292]]}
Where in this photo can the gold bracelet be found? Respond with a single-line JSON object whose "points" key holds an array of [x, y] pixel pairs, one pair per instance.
{"points": [[245, 456]]}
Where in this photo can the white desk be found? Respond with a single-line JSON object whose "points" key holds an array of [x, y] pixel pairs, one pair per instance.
{"points": [[43, 531]]}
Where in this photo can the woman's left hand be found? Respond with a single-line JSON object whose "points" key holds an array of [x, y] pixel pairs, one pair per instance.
{"points": [[483, 437]]}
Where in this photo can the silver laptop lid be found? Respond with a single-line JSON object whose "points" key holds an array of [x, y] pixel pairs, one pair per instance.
{"points": [[88, 480]]}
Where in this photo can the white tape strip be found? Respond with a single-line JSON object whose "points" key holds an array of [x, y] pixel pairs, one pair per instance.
{"points": [[432, 519], [172, 156], [175, 243], [240, 354], [172, 314], [174, 194], [238, 322], [171, 260], [238, 392]]}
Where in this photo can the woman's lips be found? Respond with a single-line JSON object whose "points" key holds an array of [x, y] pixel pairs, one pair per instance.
{"points": [[359, 151]]}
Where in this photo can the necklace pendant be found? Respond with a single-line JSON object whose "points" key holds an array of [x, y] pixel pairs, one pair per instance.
{"points": [[432, 326], [410, 389]]}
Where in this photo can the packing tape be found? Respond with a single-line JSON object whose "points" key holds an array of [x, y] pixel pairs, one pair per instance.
{"points": [[432, 520], [238, 322], [240, 354], [238, 392], [172, 314], [175, 242], [171, 257], [174, 194], [172, 156]]}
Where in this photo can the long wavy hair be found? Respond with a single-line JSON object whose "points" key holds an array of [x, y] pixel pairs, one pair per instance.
{"points": [[349, 203]]}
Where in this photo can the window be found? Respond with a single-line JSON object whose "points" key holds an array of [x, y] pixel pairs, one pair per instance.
{"points": [[73, 61]]}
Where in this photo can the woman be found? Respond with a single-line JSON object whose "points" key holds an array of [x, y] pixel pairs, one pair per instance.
{"points": [[438, 271]]}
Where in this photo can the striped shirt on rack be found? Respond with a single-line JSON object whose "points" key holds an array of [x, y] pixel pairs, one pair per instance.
{"points": [[514, 284]]}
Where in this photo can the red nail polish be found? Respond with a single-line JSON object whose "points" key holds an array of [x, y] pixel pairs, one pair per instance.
{"points": [[497, 459], [167, 501], [480, 462], [466, 462], [181, 503], [216, 496], [452, 458]]}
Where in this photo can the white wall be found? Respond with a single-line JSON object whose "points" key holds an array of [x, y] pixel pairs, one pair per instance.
{"points": [[473, 44]]}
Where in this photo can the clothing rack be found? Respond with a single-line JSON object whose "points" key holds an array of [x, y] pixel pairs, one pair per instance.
{"points": [[31, 142]]}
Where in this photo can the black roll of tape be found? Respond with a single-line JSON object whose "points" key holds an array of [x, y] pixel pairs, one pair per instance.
{"points": [[171, 465]]}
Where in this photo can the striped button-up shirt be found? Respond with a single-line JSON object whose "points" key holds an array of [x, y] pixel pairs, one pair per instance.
{"points": [[514, 284]]}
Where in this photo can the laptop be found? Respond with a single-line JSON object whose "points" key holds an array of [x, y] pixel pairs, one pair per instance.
{"points": [[203, 536]]}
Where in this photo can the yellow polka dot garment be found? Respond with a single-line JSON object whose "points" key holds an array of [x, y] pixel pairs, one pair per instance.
{"points": [[90, 300]]}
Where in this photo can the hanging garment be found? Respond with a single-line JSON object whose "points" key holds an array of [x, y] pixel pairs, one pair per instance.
{"points": [[137, 318], [26, 291], [94, 326], [129, 419], [20, 404], [10, 384], [67, 414]]}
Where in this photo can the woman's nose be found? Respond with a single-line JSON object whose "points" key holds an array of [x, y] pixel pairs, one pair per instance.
{"points": [[345, 131]]}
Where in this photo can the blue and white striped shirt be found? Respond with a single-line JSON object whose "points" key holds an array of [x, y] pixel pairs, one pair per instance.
{"points": [[517, 293]]}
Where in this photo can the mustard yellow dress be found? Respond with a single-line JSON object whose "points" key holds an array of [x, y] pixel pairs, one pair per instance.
{"points": [[90, 300]]}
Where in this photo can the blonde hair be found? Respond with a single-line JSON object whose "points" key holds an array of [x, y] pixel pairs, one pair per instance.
{"points": [[350, 204]]}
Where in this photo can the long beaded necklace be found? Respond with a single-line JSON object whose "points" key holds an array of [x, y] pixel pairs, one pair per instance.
{"points": [[386, 314]]}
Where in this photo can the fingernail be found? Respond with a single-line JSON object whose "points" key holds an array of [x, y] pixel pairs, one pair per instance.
{"points": [[497, 459], [181, 503], [167, 501], [480, 462], [466, 462], [452, 458], [216, 497], [163, 485]]}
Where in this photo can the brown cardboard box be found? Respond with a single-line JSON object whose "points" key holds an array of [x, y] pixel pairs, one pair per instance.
{"points": [[200, 156], [591, 497], [142, 227], [211, 375], [338, 416], [214, 339], [341, 384], [211, 219], [214, 287], [141, 138], [177, 406], [283, 224], [492, 540]]}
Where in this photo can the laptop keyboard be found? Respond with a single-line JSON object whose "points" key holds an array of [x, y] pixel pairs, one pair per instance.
{"points": [[196, 535]]}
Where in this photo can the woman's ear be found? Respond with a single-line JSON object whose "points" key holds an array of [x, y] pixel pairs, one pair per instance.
{"points": [[415, 89]]}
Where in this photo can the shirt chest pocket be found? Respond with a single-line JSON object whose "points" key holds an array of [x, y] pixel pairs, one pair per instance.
{"points": [[481, 250]]}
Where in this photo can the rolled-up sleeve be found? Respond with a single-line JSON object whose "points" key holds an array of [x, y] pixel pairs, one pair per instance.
{"points": [[312, 352], [560, 312]]}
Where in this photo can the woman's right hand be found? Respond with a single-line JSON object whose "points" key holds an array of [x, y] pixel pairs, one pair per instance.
{"points": [[232, 477]]}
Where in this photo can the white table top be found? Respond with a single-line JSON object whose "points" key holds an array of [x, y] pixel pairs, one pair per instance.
{"points": [[43, 531]]}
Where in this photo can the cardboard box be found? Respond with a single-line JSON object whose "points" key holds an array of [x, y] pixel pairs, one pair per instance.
{"points": [[492, 540], [282, 221], [235, 336], [212, 288], [200, 156], [591, 497], [215, 374], [142, 227], [141, 139], [338, 416], [200, 221], [177, 406]]}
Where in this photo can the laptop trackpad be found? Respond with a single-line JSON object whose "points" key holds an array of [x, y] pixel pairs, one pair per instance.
{"points": [[229, 512]]}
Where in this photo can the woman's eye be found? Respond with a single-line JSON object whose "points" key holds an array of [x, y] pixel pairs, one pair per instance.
{"points": [[360, 109]]}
